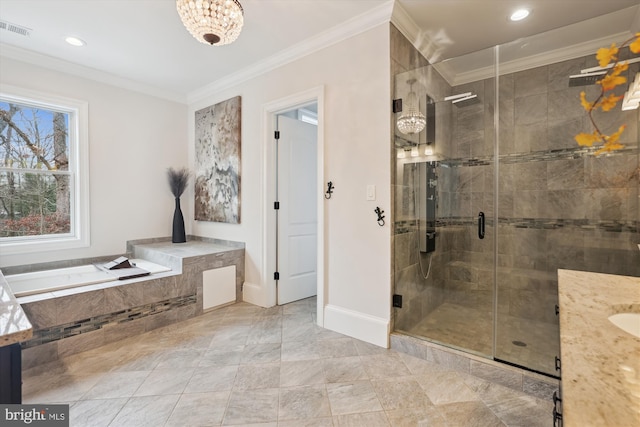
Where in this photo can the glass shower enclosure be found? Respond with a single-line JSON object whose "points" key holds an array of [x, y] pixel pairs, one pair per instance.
{"points": [[495, 196]]}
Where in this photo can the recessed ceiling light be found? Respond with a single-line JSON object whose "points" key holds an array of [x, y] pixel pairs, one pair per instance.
{"points": [[519, 14], [74, 41]]}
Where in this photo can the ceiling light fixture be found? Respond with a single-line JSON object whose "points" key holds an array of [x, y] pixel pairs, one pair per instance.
{"points": [[74, 41], [214, 22], [519, 15], [413, 121]]}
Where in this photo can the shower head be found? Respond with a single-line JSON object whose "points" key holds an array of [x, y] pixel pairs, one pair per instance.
{"points": [[463, 99], [466, 101], [586, 79]]}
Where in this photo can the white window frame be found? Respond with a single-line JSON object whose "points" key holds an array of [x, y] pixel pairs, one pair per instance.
{"points": [[78, 111]]}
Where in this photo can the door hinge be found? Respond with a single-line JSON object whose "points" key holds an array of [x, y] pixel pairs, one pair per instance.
{"points": [[276, 276], [397, 301], [397, 105], [276, 205], [276, 134]]}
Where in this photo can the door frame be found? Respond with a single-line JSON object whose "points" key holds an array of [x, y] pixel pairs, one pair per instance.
{"points": [[270, 111]]}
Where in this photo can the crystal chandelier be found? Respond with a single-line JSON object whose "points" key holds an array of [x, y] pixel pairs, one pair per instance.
{"points": [[413, 121], [214, 22]]}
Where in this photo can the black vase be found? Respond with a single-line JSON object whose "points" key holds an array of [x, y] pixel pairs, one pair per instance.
{"points": [[178, 235]]}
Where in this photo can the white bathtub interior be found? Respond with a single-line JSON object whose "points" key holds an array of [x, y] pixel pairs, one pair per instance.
{"points": [[52, 280]]}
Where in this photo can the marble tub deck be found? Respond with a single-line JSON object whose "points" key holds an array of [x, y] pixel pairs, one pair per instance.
{"points": [[246, 365], [78, 319]]}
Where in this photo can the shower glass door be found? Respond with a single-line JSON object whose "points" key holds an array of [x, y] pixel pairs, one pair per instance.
{"points": [[560, 206], [527, 329], [547, 203], [447, 285]]}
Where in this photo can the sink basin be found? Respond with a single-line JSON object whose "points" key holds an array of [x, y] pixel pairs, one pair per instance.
{"points": [[628, 322]]}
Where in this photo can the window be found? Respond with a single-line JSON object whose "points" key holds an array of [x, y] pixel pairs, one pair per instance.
{"points": [[43, 172]]}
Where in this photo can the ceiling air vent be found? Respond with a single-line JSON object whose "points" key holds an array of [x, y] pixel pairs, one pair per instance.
{"points": [[8, 26]]}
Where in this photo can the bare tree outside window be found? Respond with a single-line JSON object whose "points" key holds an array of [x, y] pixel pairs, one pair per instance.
{"points": [[35, 190]]}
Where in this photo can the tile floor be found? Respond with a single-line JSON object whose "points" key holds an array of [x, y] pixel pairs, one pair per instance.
{"points": [[246, 365]]}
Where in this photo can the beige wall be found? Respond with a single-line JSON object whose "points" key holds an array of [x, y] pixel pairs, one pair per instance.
{"points": [[355, 74], [133, 139]]}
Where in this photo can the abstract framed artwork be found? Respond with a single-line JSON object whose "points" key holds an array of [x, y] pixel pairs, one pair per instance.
{"points": [[217, 162]]}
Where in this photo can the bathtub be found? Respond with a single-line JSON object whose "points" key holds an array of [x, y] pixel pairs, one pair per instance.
{"points": [[63, 278]]}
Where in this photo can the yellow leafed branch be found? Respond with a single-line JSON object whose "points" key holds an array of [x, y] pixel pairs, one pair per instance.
{"points": [[604, 101]]}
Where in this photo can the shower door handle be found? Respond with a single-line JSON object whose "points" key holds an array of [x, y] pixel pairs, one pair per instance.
{"points": [[481, 225]]}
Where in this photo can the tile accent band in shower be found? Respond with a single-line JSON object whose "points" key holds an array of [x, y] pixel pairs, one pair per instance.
{"points": [[535, 156]]}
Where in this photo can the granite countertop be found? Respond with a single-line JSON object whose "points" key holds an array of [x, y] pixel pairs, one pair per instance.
{"points": [[14, 325], [600, 362]]}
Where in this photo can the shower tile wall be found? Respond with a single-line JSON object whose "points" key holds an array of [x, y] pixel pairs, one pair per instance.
{"points": [[561, 207]]}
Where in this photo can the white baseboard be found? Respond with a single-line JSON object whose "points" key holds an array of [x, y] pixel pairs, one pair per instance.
{"points": [[253, 294], [364, 327]]}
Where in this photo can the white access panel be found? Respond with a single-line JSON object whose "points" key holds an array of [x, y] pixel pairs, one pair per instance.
{"points": [[218, 286]]}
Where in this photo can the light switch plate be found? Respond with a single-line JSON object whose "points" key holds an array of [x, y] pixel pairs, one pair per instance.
{"points": [[371, 192]]}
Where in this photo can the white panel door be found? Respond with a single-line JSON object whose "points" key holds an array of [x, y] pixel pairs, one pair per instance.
{"points": [[297, 217]]}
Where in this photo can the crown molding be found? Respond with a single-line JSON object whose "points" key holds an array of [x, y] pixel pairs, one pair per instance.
{"points": [[401, 19], [421, 41], [418, 37], [352, 27], [55, 64], [538, 60]]}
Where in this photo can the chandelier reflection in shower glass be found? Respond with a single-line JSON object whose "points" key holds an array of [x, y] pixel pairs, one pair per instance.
{"points": [[412, 121]]}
